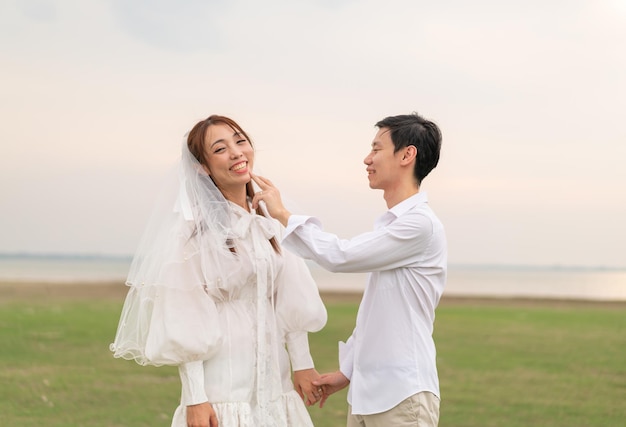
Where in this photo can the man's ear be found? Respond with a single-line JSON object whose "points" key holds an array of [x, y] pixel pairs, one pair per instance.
{"points": [[410, 152]]}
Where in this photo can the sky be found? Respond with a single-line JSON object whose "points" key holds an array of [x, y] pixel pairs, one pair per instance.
{"points": [[95, 97]]}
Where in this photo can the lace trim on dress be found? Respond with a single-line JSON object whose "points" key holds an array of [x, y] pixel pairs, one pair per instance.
{"points": [[288, 411], [268, 384]]}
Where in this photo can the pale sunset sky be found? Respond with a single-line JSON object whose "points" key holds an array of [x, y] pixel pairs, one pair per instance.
{"points": [[530, 95]]}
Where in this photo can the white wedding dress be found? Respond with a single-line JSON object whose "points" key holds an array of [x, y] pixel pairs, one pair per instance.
{"points": [[247, 380], [208, 293]]}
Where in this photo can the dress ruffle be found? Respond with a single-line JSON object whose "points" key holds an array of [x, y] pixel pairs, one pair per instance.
{"points": [[287, 411]]}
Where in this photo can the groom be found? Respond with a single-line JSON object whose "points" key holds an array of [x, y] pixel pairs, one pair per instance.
{"points": [[389, 361]]}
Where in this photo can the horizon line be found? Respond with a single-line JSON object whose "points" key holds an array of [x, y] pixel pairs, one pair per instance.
{"points": [[451, 266]]}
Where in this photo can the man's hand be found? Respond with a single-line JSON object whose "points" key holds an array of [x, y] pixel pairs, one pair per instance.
{"points": [[331, 383], [271, 196]]}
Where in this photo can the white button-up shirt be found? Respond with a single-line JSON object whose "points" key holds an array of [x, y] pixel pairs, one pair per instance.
{"points": [[391, 353]]}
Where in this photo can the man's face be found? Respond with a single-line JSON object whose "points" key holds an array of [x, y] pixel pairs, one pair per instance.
{"points": [[382, 163]]}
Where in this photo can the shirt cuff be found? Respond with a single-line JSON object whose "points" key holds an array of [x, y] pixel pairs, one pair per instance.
{"points": [[192, 379], [294, 222], [346, 359], [298, 349]]}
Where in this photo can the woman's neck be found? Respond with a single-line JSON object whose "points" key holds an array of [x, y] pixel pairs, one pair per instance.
{"points": [[239, 198]]}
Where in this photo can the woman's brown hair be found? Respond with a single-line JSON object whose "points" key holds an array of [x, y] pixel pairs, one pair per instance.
{"points": [[196, 141]]}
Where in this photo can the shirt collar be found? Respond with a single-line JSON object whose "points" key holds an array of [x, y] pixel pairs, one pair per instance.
{"points": [[401, 208], [408, 203]]}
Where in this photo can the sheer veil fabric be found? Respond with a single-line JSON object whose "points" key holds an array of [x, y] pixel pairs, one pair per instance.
{"points": [[168, 317]]}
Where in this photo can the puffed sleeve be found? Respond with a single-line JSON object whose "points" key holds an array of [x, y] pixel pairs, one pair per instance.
{"points": [[169, 319], [184, 327], [299, 308]]}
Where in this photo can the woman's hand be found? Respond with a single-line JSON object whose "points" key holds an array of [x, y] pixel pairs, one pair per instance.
{"points": [[331, 383], [303, 383], [271, 196], [201, 415]]}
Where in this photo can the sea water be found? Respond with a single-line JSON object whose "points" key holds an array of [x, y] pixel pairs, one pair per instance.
{"points": [[599, 284], [508, 282], [63, 268]]}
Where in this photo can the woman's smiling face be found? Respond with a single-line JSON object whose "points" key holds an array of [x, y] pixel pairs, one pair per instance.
{"points": [[229, 157]]}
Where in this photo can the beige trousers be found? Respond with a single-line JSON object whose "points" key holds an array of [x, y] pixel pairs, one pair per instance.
{"points": [[419, 410]]}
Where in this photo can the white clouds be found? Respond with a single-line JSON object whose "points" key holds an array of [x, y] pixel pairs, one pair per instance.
{"points": [[174, 25], [38, 10]]}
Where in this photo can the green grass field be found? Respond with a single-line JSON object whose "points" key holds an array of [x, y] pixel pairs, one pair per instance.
{"points": [[501, 363]]}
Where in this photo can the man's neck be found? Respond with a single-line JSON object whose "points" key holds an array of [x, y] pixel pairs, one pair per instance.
{"points": [[397, 195]]}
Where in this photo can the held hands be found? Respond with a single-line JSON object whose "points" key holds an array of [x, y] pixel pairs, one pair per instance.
{"points": [[331, 383], [303, 383], [271, 196], [201, 415]]}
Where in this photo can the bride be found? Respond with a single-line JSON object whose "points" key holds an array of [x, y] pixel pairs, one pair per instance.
{"points": [[211, 291]]}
